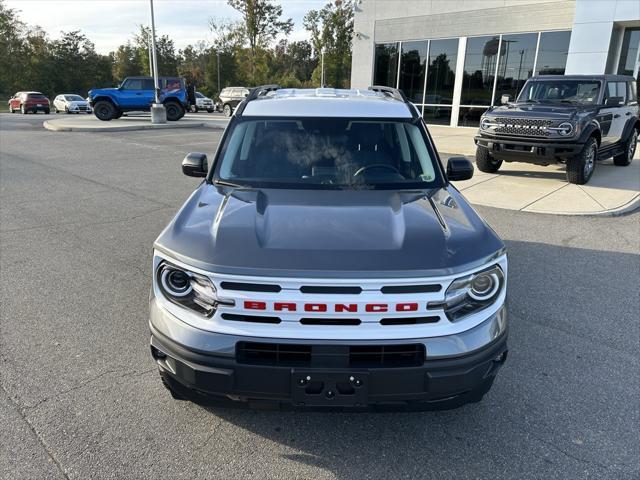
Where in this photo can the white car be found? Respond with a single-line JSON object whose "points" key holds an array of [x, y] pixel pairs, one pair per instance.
{"points": [[71, 103], [204, 103]]}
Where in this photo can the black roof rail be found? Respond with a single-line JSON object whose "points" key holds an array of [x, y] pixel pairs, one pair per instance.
{"points": [[255, 93], [398, 95]]}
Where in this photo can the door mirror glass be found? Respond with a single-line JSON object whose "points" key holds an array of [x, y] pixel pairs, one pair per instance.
{"points": [[459, 168], [505, 99], [195, 165]]}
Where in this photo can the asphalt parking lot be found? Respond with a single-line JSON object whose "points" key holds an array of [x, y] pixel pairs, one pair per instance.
{"points": [[80, 396]]}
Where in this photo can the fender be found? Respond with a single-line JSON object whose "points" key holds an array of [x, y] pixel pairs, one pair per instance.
{"points": [[589, 130], [632, 122], [106, 97]]}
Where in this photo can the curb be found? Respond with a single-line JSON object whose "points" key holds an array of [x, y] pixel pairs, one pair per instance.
{"points": [[51, 125]]}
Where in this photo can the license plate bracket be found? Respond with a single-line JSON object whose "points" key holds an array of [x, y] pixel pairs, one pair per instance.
{"points": [[329, 388]]}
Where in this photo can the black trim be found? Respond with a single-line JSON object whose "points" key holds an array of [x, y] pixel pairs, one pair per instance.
{"points": [[331, 290], [331, 321], [249, 318], [411, 288], [250, 287]]}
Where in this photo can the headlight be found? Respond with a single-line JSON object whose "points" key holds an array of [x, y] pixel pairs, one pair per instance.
{"points": [[188, 289], [474, 292], [565, 129], [485, 123]]}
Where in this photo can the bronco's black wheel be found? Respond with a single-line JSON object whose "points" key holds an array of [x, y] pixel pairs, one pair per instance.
{"points": [[580, 168], [104, 110], [626, 158], [174, 111], [485, 162]]}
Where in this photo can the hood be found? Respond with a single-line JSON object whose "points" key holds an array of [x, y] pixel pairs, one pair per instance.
{"points": [[332, 233], [539, 110], [94, 92], [79, 103]]}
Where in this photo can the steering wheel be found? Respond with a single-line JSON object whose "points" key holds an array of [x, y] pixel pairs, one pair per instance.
{"points": [[361, 170]]}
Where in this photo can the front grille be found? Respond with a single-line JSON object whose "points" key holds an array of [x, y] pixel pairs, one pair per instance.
{"points": [[330, 356], [531, 127]]}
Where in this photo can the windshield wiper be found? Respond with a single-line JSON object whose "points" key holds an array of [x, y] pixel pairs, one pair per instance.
{"points": [[226, 183], [531, 100], [573, 102]]}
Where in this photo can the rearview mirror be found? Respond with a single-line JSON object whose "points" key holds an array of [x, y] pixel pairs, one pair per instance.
{"points": [[195, 165], [613, 101], [459, 168], [505, 99]]}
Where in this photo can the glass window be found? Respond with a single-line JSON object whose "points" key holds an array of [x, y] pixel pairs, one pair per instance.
{"points": [[386, 64], [441, 73], [617, 90], [581, 92], [552, 53], [133, 84], [413, 60], [479, 70], [517, 55], [629, 52], [437, 114], [470, 116], [327, 153]]}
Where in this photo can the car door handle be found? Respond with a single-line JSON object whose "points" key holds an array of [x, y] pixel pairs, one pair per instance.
{"points": [[616, 115], [628, 113]]}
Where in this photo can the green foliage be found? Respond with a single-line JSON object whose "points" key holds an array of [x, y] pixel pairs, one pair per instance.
{"points": [[242, 50]]}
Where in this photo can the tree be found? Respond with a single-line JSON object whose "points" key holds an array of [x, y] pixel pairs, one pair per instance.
{"points": [[11, 50], [261, 25], [126, 62], [165, 52], [331, 29]]}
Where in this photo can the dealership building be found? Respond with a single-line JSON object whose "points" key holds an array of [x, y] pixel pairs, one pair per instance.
{"points": [[456, 58]]}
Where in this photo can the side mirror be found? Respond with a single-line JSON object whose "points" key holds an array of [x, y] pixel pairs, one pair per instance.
{"points": [[613, 101], [505, 99], [459, 168], [195, 165]]}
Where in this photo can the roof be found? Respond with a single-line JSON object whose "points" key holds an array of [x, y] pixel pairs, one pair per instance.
{"points": [[326, 102], [620, 78]]}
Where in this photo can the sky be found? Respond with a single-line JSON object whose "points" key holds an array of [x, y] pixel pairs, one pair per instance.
{"points": [[109, 23]]}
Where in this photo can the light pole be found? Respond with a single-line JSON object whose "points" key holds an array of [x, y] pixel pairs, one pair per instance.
{"points": [[158, 112], [218, 69], [322, 68]]}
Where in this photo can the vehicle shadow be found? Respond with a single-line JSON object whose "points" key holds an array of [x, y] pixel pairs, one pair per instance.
{"points": [[542, 419]]}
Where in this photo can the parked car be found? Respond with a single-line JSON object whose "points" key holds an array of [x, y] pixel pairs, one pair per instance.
{"points": [[204, 103], [70, 103], [230, 97], [137, 94], [575, 120], [26, 102], [327, 260]]}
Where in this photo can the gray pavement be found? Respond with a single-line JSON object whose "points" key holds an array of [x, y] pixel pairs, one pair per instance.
{"points": [[80, 397]]}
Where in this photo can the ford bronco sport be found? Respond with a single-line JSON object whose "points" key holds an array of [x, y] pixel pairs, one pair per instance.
{"points": [[326, 260], [573, 119], [137, 94]]}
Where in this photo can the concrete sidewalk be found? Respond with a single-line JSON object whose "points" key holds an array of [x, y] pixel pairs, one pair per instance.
{"points": [[131, 122], [531, 188]]}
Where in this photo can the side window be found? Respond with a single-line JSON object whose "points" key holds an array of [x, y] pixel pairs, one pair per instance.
{"points": [[622, 91], [633, 94], [610, 91], [147, 84], [132, 84]]}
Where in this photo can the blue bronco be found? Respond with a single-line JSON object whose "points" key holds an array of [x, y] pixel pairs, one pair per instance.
{"points": [[137, 94]]}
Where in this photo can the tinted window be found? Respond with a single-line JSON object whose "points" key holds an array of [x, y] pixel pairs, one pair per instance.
{"points": [[386, 64], [552, 53], [74, 98], [515, 66], [35, 95], [327, 153], [583, 92], [479, 70], [199, 95], [629, 51], [616, 89], [441, 72], [413, 61], [132, 84]]}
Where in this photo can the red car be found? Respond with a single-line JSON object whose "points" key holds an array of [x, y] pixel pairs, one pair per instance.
{"points": [[29, 102]]}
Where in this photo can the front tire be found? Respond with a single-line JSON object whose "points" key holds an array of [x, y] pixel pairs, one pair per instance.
{"points": [[485, 161], [581, 167], [23, 110], [47, 111], [104, 111], [196, 109], [227, 110], [625, 159], [174, 111], [210, 110]]}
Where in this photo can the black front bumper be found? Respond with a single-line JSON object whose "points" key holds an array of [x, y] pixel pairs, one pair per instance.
{"points": [[529, 150], [441, 383]]}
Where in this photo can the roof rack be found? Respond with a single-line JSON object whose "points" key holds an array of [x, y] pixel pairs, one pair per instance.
{"points": [[255, 93], [398, 95]]}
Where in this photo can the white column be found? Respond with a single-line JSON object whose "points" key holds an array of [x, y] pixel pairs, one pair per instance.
{"points": [[457, 86]]}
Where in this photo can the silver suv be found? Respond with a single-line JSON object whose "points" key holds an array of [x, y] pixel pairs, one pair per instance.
{"points": [[231, 97]]}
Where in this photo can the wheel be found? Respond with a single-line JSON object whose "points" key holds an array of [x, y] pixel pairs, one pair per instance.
{"points": [[226, 110], [196, 109], [23, 110], [174, 111], [210, 110], [55, 109], [626, 157], [581, 167], [104, 110], [89, 113], [117, 115], [47, 111], [485, 162], [66, 110]]}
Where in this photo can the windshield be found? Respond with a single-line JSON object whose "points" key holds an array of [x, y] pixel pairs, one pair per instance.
{"points": [[583, 92], [327, 153], [199, 95], [74, 98]]}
